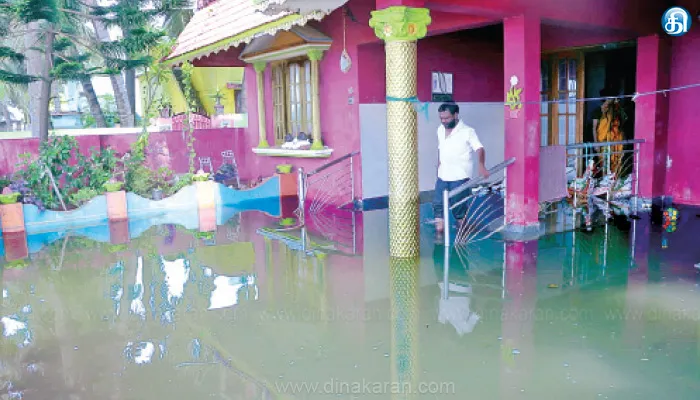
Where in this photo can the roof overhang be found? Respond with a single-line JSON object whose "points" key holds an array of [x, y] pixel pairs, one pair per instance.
{"points": [[301, 7], [230, 23], [296, 42]]}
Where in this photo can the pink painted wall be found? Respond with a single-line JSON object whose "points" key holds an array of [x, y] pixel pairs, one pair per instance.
{"points": [[339, 119], [173, 153], [683, 120], [474, 57]]}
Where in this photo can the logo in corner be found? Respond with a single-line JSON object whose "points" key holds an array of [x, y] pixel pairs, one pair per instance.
{"points": [[676, 21]]}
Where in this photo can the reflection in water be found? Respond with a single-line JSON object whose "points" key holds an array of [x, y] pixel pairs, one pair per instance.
{"points": [[570, 313], [226, 292], [137, 306], [454, 303], [404, 315], [177, 273]]}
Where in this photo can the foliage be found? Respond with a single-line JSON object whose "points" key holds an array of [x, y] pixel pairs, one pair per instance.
{"points": [[190, 98], [113, 186], [82, 196], [162, 178], [4, 181], [108, 105], [70, 170], [180, 183], [156, 75], [139, 180], [95, 170], [27, 197]]}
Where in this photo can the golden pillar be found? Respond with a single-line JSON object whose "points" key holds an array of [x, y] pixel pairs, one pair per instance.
{"points": [[260, 80], [400, 28], [404, 335], [315, 57]]}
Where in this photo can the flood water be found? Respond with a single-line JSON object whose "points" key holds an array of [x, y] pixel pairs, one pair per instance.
{"points": [[611, 314]]}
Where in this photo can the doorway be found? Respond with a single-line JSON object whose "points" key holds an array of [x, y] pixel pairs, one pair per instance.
{"points": [[570, 76]]}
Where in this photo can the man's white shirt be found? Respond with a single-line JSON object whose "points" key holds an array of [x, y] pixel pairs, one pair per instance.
{"points": [[456, 152]]}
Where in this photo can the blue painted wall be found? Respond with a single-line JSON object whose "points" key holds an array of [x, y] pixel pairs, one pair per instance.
{"points": [[90, 220]]}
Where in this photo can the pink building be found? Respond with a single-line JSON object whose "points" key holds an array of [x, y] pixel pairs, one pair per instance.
{"points": [[556, 49]]}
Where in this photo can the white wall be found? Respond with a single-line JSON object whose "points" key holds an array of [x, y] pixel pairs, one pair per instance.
{"points": [[486, 118]]}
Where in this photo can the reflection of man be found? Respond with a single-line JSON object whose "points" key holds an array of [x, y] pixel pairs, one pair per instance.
{"points": [[457, 144], [456, 308]]}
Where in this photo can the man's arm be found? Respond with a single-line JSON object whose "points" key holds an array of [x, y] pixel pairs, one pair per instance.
{"points": [[475, 144], [482, 163]]}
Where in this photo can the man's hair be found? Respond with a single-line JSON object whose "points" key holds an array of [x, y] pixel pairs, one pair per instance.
{"points": [[451, 107]]}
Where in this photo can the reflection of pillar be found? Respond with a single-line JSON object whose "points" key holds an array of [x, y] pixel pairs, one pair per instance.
{"points": [[315, 57], [260, 80], [400, 28], [16, 247], [637, 280], [404, 316], [119, 232], [518, 317]]}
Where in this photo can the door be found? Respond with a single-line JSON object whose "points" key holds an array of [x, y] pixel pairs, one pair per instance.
{"points": [[562, 80]]}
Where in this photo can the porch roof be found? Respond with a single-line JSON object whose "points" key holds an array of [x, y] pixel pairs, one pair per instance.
{"points": [[229, 23]]}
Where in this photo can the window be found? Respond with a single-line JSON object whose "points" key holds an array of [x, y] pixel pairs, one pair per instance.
{"points": [[562, 80], [291, 88]]}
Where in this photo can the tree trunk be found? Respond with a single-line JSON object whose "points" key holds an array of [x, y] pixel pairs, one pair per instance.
{"points": [[95, 108], [34, 66], [39, 61], [130, 83], [126, 116], [45, 116], [6, 115]]}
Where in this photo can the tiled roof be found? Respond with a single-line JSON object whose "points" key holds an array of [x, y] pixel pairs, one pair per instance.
{"points": [[228, 23]]}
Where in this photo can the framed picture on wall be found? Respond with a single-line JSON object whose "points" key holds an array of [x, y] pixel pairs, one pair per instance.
{"points": [[442, 89]]}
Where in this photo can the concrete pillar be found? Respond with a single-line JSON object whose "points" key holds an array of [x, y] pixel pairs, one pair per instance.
{"points": [[315, 57], [404, 300], [522, 56], [400, 27], [260, 80], [651, 114]]}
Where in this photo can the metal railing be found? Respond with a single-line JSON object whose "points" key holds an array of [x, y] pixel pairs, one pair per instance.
{"points": [[477, 212], [603, 175], [331, 184]]}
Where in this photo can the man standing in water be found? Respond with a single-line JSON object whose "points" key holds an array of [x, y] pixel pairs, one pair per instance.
{"points": [[457, 145]]}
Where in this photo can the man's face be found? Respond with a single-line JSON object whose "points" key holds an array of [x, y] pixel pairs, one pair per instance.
{"points": [[448, 120]]}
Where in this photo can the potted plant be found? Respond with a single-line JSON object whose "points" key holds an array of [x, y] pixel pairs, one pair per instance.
{"points": [[284, 169], [11, 211], [218, 107], [200, 176], [113, 185]]}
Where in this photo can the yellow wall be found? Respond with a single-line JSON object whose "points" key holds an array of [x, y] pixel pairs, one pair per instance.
{"points": [[170, 92], [207, 79]]}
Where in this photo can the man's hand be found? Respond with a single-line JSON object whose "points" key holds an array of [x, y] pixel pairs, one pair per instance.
{"points": [[483, 172]]}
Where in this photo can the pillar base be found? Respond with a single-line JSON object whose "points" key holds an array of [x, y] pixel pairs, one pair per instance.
{"points": [[523, 233], [12, 217], [116, 206]]}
